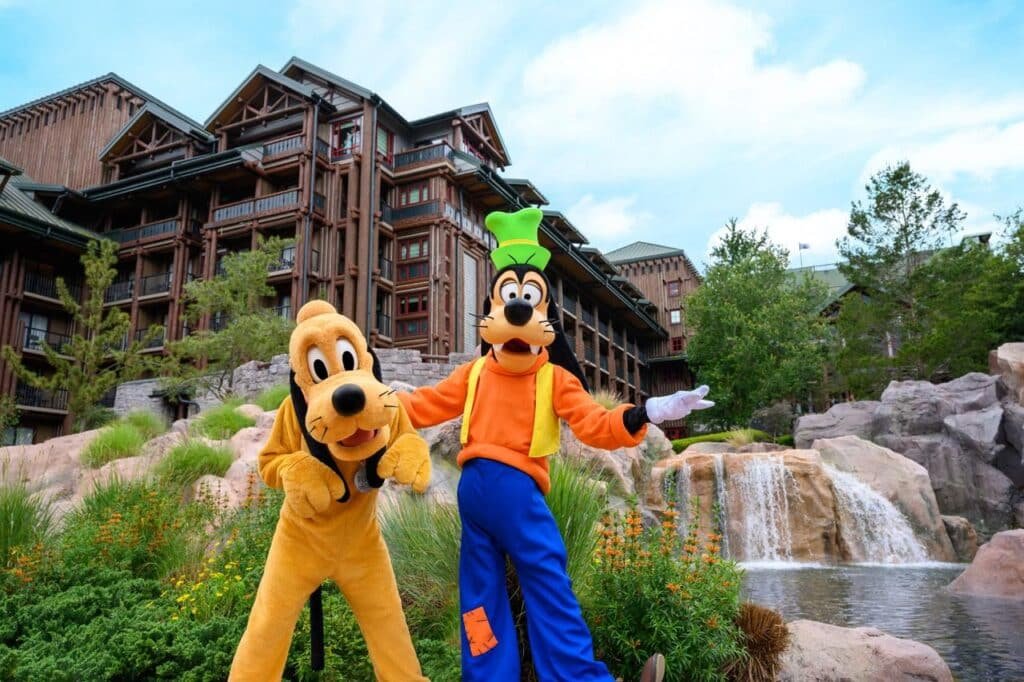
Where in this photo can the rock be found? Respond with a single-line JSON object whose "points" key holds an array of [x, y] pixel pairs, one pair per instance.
{"points": [[1008, 362], [1013, 426], [963, 536], [997, 569], [820, 652], [182, 426], [910, 408], [842, 419], [215, 489], [249, 410], [248, 442], [1018, 514], [53, 466], [900, 480], [618, 467], [708, 448], [979, 432], [443, 440], [266, 419], [972, 392], [158, 447]]}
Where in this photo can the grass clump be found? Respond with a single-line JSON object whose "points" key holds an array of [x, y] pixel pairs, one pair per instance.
{"points": [[223, 421], [116, 441], [737, 437], [148, 424], [191, 460], [272, 398], [765, 637], [24, 521], [607, 399]]}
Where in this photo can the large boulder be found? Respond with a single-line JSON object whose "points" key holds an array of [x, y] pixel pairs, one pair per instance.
{"points": [[963, 536], [53, 466], [997, 569], [819, 652], [978, 433], [911, 408], [1008, 362], [1013, 426], [972, 392], [900, 480], [842, 419]]}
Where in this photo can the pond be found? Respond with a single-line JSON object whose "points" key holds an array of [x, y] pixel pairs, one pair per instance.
{"points": [[979, 638]]}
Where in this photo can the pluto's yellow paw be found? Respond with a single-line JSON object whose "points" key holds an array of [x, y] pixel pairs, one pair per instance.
{"points": [[407, 461]]}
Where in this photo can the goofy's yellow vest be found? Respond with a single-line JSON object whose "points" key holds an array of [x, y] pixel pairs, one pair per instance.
{"points": [[547, 431]]}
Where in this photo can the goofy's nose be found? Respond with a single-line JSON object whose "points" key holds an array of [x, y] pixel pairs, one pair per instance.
{"points": [[518, 312], [348, 400]]}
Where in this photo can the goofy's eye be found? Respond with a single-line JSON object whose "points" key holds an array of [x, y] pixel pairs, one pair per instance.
{"points": [[347, 354], [317, 362], [509, 291], [531, 294]]}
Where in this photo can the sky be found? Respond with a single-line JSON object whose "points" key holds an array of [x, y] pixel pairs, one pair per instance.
{"points": [[654, 121]]}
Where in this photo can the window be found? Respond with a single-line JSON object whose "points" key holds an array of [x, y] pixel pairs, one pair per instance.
{"points": [[345, 137], [675, 316], [677, 344], [412, 305], [385, 142], [413, 271], [17, 435], [673, 289], [414, 194], [413, 327], [417, 247]]}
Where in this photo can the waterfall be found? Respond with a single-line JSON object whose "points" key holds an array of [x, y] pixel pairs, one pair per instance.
{"points": [[872, 523], [722, 498], [765, 504], [682, 495]]}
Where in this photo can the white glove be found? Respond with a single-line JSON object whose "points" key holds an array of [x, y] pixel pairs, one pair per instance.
{"points": [[676, 406]]}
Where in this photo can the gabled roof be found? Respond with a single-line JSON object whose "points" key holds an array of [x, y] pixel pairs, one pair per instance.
{"points": [[106, 78], [599, 259], [828, 275], [642, 251], [261, 71], [295, 63], [465, 112], [528, 191], [19, 209], [150, 111], [8, 168]]}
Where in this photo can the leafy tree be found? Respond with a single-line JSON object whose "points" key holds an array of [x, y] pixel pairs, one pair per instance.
{"points": [[758, 336], [248, 330], [98, 355]]}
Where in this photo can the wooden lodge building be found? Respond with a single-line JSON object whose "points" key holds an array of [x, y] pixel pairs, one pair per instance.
{"points": [[386, 213]]}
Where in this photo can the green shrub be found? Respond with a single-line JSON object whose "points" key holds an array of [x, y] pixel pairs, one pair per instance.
{"points": [[785, 440], [345, 654], [272, 398], [113, 442], [24, 521], [192, 459], [94, 417], [223, 421], [441, 661], [148, 424], [750, 435], [650, 595]]}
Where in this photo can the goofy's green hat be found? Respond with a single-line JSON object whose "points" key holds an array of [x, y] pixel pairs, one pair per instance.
{"points": [[517, 238]]}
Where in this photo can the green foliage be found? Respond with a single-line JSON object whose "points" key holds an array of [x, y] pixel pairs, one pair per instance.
{"points": [[753, 435], [577, 504], [758, 333], [98, 357], [223, 421], [345, 654], [785, 440], [272, 398], [9, 414], [148, 424], [440, 660], [24, 521], [94, 417], [774, 419], [187, 462], [651, 595], [118, 440], [250, 331]]}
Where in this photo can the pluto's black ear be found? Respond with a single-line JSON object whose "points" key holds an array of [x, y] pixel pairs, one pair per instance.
{"points": [[378, 374], [559, 352], [316, 448], [485, 347]]}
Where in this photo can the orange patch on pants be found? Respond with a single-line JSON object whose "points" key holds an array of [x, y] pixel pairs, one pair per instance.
{"points": [[478, 631]]}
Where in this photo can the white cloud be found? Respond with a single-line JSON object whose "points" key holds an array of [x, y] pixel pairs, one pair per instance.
{"points": [[818, 230], [607, 222]]}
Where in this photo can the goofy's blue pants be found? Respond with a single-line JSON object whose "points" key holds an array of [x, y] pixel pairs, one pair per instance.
{"points": [[503, 512]]}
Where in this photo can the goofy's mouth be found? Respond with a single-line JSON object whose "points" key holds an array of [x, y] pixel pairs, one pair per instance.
{"points": [[360, 437], [517, 346]]}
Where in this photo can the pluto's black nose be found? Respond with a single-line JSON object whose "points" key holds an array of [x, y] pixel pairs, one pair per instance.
{"points": [[518, 312], [348, 400]]}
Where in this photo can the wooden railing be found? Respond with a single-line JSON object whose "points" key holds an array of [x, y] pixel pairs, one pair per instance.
{"points": [[155, 284], [155, 342], [146, 231], [420, 155], [427, 208], [28, 396], [45, 285], [119, 291], [246, 207], [285, 146], [33, 339]]}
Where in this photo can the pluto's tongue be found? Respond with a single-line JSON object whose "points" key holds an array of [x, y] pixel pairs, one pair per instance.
{"points": [[359, 437]]}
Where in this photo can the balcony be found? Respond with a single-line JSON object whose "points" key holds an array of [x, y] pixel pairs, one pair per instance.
{"points": [[284, 310], [155, 342], [384, 324], [45, 285], [285, 263], [464, 222], [33, 340], [289, 145], [119, 291], [387, 268], [249, 207], [146, 231], [27, 396], [427, 208], [387, 214], [152, 285], [423, 155], [319, 202]]}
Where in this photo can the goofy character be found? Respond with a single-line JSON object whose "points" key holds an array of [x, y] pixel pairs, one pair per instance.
{"points": [[511, 400]]}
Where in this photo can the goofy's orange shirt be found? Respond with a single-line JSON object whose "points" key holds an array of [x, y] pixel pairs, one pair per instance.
{"points": [[501, 425]]}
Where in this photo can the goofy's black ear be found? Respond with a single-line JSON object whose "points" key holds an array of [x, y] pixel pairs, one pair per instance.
{"points": [[378, 373], [316, 448], [485, 347], [560, 352]]}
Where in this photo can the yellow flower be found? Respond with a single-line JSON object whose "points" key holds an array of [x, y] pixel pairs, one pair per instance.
{"points": [[183, 598]]}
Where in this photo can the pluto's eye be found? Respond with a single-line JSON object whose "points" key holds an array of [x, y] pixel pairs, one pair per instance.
{"points": [[509, 291], [317, 363], [531, 294], [347, 354]]}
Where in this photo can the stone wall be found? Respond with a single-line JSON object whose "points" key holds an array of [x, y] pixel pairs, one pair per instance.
{"points": [[252, 378]]}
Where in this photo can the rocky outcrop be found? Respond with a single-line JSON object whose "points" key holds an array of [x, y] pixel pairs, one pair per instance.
{"points": [[819, 652], [902, 481], [962, 535], [843, 419], [1008, 362], [997, 569]]}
